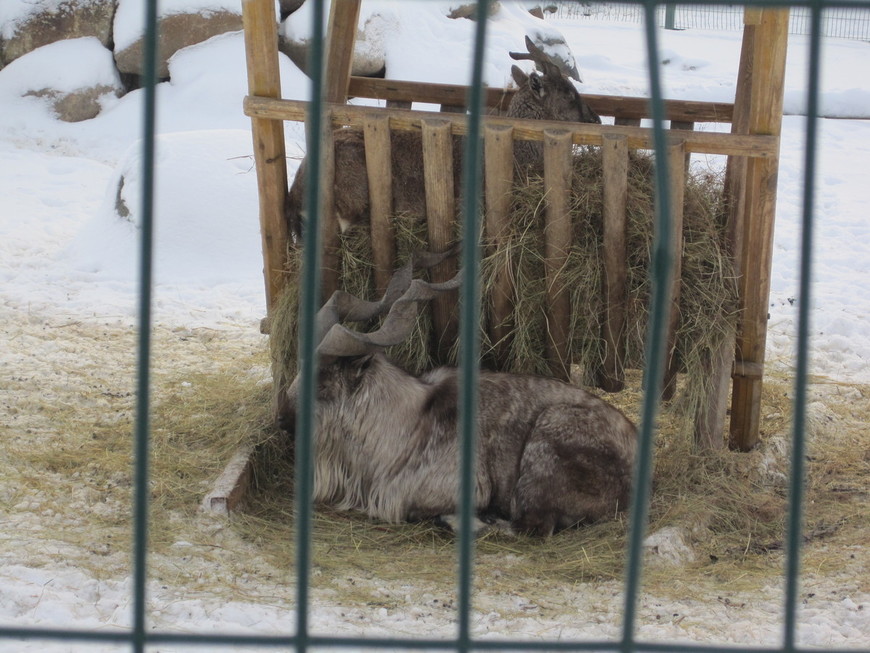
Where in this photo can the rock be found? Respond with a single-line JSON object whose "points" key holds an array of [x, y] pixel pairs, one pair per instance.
{"points": [[177, 31], [287, 7], [47, 22], [78, 105], [74, 76], [469, 10], [669, 546], [369, 57]]}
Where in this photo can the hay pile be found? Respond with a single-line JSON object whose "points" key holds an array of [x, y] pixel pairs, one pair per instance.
{"points": [[708, 299]]}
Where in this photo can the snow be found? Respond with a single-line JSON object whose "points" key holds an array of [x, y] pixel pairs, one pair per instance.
{"points": [[65, 254]]}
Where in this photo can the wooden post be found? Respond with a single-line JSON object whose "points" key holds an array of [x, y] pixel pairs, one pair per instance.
{"points": [[376, 129], [440, 215], [611, 376], [710, 418], [261, 50], [343, 19], [557, 245], [499, 170], [676, 160], [768, 45]]}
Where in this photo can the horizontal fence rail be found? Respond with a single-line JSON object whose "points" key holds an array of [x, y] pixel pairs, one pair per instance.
{"points": [[321, 116]]}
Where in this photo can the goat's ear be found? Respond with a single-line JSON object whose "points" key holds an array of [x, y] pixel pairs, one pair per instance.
{"points": [[361, 364], [519, 76], [537, 85]]}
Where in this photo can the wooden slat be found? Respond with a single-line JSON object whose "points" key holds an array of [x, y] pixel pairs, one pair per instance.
{"points": [[582, 133], [676, 157], [765, 117], [440, 216], [380, 177], [499, 167], [557, 245], [329, 228], [261, 49], [634, 108], [711, 415], [611, 376], [343, 20]]}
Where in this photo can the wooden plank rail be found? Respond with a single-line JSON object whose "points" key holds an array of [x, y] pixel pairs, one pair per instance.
{"points": [[676, 162], [499, 99], [440, 218], [558, 171], [499, 171], [639, 138], [379, 167], [611, 376]]}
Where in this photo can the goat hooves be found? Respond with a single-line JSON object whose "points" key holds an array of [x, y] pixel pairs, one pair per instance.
{"points": [[480, 527]]}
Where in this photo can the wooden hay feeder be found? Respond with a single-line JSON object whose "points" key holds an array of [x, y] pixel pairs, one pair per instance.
{"points": [[752, 149]]}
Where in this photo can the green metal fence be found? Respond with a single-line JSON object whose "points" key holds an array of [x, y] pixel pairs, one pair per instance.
{"points": [[852, 22], [139, 637]]}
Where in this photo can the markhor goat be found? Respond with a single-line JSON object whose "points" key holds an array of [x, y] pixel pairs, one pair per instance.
{"points": [[548, 95], [549, 455]]}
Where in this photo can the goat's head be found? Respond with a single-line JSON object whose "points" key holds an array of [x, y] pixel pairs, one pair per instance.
{"points": [[548, 93], [347, 357]]}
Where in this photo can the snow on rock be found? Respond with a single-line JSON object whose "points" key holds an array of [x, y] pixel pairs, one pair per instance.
{"points": [[27, 25], [206, 192], [181, 23], [73, 77]]}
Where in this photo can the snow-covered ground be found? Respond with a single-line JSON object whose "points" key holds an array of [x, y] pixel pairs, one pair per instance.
{"points": [[65, 258]]}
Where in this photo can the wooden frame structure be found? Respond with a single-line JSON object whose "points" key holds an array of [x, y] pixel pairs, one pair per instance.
{"points": [[752, 148]]}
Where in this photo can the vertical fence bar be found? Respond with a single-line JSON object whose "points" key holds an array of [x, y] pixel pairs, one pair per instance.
{"points": [[796, 482], [308, 305], [661, 267], [143, 389], [469, 332], [376, 130]]}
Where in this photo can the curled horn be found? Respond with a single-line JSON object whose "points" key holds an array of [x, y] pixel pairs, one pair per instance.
{"points": [[543, 60], [399, 303]]}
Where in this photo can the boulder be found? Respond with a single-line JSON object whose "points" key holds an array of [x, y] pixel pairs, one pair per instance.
{"points": [[44, 21], [177, 31], [80, 104], [73, 76], [469, 10], [369, 56]]}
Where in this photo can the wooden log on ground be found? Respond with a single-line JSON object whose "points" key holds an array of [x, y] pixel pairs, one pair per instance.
{"points": [[440, 215], [557, 245], [611, 376], [232, 485], [376, 130], [499, 170]]}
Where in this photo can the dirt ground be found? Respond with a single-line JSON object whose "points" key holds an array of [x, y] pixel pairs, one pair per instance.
{"points": [[68, 391]]}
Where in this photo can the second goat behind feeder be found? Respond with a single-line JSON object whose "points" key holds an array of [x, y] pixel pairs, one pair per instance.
{"points": [[546, 94]]}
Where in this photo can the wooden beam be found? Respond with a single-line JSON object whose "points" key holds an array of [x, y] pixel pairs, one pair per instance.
{"points": [[261, 52], [768, 54], [628, 108], [614, 254], [582, 133], [499, 171], [558, 171], [676, 162], [440, 217], [376, 129], [343, 21]]}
